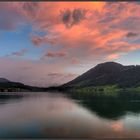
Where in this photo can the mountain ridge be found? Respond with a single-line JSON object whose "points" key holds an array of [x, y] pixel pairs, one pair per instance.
{"points": [[4, 80], [108, 73]]}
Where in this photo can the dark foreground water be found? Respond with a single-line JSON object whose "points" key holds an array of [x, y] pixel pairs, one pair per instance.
{"points": [[52, 115]]}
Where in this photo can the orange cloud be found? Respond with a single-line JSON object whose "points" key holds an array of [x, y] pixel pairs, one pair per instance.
{"points": [[74, 17], [38, 41], [75, 24], [112, 56], [131, 34], [55, 54]]}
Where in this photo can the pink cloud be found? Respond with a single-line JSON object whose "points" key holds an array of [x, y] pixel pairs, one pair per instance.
{"points": [[10, 18], [38, 41], [55, 54], [75, 61], [89, 20]]}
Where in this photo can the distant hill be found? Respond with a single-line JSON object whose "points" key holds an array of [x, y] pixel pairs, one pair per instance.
{"points": [[3, 80], [6, 85], [109, 73]]}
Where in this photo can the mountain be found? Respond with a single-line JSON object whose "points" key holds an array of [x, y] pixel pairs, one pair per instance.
{"points": [[109, 73], [3, 80], [6, 85]]}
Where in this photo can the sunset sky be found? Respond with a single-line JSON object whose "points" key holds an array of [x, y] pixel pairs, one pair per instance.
{"points": [[50, 43]]}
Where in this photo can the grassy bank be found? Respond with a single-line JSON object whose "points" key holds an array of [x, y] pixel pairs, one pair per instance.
{"points": [[110, 90]]}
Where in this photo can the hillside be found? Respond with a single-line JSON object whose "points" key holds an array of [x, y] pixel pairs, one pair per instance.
{"points": [[109, 73], [10, 86]]}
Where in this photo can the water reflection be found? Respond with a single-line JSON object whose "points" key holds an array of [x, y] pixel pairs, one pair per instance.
{"points": [[57, 116], [112, 108]]}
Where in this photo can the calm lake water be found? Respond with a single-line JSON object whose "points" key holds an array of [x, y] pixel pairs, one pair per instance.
{"points": [[54, 115]]}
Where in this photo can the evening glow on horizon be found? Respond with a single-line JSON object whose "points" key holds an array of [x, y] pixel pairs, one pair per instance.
{"points": [[51, 43]]}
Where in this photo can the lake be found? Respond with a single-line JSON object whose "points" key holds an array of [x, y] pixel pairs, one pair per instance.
{"points": [[56, 115]]}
